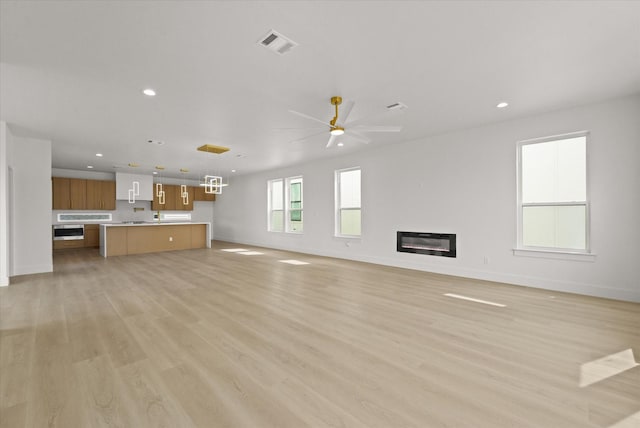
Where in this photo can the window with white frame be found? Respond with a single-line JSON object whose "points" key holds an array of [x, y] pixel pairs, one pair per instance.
{"points": [[294, 204], [553, 208], [276, 205], [348, 205], [285, 205]]}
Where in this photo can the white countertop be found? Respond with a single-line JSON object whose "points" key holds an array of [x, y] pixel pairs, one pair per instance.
{"points": [[152, 223]]}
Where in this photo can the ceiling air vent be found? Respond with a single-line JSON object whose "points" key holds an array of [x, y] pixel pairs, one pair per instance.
{"points": [[397, 106], [277, 43]]}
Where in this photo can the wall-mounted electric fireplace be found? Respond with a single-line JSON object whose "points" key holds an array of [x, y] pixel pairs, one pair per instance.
{"points": [[435, 244]]}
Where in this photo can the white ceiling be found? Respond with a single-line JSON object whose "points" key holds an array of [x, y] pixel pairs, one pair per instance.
{"points": [[73, 72]]}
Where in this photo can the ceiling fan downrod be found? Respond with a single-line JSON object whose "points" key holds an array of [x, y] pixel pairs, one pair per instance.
{"points": [[336, 101]]}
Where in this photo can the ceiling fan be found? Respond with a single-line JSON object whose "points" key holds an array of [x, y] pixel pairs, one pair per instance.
{"points": [[339, 126]]}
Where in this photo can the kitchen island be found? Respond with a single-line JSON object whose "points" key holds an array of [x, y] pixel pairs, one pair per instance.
{"points": [[119, 239]]}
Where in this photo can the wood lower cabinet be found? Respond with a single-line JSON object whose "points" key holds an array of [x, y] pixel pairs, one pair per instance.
{"points": [[117, 239], [72, 243], [124, 240], [91, 235]]}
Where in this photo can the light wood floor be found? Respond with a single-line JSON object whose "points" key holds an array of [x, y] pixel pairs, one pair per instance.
{"points": [[210, 338]]}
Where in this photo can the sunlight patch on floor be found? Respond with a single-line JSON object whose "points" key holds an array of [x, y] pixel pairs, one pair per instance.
{"points": [[250, 253], [606, 367], [632, 421], [234, 250], [471, 299], [294, 262]]}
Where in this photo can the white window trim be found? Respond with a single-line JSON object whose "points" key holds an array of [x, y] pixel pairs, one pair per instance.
{"points": [[269, 205], [556, 253], [338, 209]]}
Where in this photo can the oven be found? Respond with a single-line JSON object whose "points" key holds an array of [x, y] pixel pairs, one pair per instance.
{"points": [[65, 232]]}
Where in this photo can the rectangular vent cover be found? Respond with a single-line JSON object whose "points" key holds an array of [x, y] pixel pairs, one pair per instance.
{"points": [[397, 106], [210, 148], [277, 43]]}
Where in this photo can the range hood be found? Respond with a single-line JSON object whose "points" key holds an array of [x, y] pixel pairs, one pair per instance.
{"points": [[126, 182]]}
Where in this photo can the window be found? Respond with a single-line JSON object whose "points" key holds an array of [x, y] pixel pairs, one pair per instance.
{"points": [[285, 205], [348, 207], [294, 204], [276, 206], [553, 209]]}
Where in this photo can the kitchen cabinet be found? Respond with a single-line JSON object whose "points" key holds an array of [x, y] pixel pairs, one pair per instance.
{"points": [[74, 243], [201, 195], [126, 239], [173, 199], [101, 195], [91, 235], [179, 202], [169, 199], [69, 193]]}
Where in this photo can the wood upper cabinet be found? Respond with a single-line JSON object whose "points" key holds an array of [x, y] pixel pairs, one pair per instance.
{"points": [[169, 198], [101, 195], [201, 195], [180, 205], [173, 199], [80, 194], [69, 193], [61, 196]]}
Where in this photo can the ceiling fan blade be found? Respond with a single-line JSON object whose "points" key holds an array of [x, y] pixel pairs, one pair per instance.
{"points": [[373, 118], [313, 128], [300, 140], [306, 116], [346, 110], [382, 128], [358, 137], [332, 140]]}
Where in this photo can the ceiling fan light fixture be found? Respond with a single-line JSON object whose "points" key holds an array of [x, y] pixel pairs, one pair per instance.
{"points": [[337, 130]]}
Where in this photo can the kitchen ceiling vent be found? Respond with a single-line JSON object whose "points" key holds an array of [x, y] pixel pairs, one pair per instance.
{"points": [[397, 106], [277, 43]]}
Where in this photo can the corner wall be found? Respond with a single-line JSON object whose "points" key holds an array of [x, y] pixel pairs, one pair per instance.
{"points": [[4, 210], [30, 205], [464, 182]]}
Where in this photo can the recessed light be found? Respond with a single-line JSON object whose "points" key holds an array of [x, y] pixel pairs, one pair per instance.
{"points": [[233, 170], [99, 155], [155, 172], [89, 167], [149, 92], [502, 104], [340, 144]]}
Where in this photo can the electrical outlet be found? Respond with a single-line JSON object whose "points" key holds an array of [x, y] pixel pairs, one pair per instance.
{"points": [[486, 260]]}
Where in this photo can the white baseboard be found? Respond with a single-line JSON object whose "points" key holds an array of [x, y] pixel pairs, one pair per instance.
{"points": [[596, 290], [28, 270], [4, 281]]}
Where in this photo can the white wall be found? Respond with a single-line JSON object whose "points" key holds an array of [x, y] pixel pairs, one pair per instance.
{"points": [[29, 160], [4, 207], [465, 183]]}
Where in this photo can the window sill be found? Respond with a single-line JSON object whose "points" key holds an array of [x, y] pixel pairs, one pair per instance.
{"points": [[348, 237], [556, 255]]}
